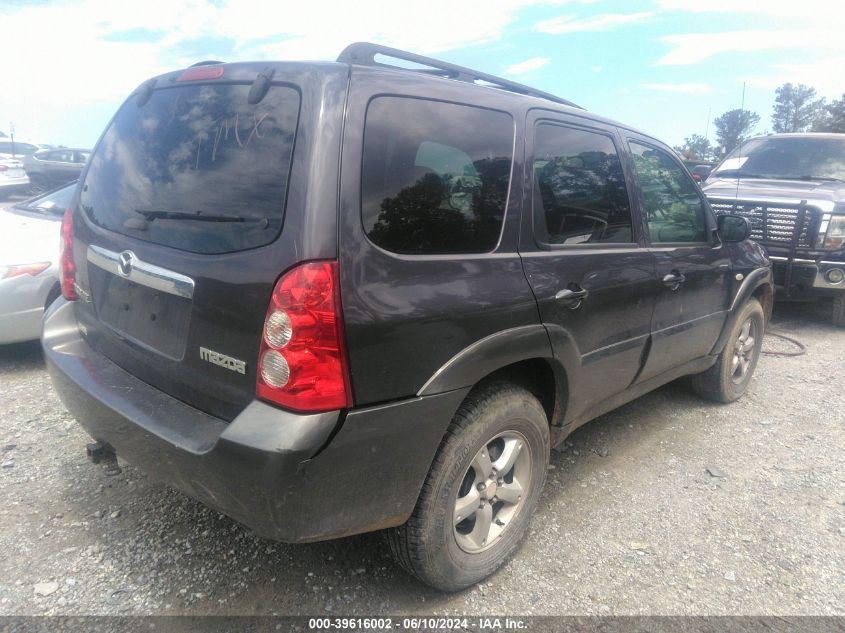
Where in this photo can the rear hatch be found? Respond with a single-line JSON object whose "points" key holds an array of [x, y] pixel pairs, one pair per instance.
{"points": [[177, 229]]}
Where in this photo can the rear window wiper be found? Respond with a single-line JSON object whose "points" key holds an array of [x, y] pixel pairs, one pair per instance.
{"points": [[197, 216]]}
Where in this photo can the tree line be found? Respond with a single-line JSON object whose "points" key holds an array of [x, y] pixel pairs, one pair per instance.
{"points": [[796, 109]]}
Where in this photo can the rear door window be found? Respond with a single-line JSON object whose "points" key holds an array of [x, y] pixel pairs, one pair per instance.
{"points": [[435, 176], [196, 168]]}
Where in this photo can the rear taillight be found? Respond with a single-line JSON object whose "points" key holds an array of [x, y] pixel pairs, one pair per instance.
{"points": [[67, 269], [302, 361]]}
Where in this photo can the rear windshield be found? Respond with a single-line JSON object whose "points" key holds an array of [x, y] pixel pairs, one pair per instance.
{"points": [[196, 168], [790, 157]]}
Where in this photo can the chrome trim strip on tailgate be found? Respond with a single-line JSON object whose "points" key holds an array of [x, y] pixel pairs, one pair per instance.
{"points": [[141, 272]]}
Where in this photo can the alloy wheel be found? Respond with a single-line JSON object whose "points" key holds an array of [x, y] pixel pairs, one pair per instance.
{"points": [[743, 351], [492, 491]]}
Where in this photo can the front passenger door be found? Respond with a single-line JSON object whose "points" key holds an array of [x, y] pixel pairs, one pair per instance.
{"points": [[692, 267]]}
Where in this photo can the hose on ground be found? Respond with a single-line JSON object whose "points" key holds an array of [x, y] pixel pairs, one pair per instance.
{"points": [[799, 352]]}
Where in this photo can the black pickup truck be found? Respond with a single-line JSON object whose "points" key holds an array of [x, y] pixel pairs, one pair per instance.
{"points": [[791, 188]]}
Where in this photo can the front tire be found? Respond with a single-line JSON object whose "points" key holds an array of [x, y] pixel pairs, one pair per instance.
{"points": [[729, 378], [483, 486]]}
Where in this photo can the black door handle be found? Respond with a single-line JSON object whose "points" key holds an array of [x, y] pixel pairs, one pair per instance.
{"points": [[674, 280], [572, 297]]}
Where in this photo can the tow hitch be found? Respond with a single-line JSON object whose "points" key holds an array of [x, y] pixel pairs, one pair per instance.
{"points": [[102, 453]]}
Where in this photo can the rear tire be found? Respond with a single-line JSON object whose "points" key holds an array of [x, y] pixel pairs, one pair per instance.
{"points": [[729, 378], [838, 316], [501, 425]]}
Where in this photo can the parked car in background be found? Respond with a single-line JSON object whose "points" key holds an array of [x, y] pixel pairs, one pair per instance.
{"points": [[791, 187], [49, 168], [13, 178], [18, 149], [700, 173], [333, 298], [29, 249]]}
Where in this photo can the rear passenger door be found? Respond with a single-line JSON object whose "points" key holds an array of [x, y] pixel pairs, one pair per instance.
{"points": [[691, 264], [428, 235], [583, 255]]}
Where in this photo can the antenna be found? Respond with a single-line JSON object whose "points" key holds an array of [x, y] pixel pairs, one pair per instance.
{"points": [[739, 152]]}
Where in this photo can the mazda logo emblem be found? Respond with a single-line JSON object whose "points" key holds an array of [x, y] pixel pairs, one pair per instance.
{"points": [[124, 263]]}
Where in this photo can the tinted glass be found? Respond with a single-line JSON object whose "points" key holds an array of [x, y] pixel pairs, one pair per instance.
{"points": [[435, 176], [579, 188], [793, 157], [53, 203], [196, 168], [672, 203]]}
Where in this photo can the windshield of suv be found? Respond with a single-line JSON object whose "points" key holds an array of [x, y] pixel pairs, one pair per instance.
{"points": [[195, 168], [788, 157]]}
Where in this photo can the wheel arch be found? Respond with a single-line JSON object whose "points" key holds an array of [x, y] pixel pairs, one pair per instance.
{"points": [[521, 355], [757, 285]]}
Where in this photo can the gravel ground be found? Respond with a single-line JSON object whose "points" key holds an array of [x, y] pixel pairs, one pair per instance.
{"points": [[668, 505]]}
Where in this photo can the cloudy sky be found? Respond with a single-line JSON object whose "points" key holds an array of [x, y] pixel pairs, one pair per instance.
{"points": [[665, 66]]}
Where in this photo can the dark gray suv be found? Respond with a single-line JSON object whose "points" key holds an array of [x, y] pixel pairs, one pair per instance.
{"points": [[331, 298]]}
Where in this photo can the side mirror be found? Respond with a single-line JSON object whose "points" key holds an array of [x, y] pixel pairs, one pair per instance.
{"points": [[733, 228]]}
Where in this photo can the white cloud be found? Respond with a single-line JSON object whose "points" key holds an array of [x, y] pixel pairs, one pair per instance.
{"points": [[535, 63], [82, 57], [687, 88], [821, 11], [572, 24], [806, 25], [825, 76], [693, 48]]}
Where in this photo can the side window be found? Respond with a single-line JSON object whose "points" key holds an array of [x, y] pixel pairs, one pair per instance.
{"points": [[579, 188], [434, 176], [674, 208], [64, 156]]}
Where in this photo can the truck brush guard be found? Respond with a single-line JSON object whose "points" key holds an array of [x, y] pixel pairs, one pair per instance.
{"points": [[787, 227]]}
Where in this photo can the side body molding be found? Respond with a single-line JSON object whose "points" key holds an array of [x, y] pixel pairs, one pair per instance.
{"points": [[487, 355], [755, 279]]}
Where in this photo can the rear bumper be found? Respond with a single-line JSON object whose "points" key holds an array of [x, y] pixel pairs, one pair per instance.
{"points": [[287, 476]]}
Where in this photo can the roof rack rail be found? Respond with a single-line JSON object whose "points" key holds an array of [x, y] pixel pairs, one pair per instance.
{"points": [[364, 54]]}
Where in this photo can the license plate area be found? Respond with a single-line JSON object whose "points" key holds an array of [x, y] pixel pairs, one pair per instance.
{"points": [[150, 317]]}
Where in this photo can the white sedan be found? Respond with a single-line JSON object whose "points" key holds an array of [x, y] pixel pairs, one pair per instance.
{"points": [[29, 273]]}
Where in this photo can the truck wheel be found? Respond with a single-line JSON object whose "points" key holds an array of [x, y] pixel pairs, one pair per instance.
{"points": [[839, 310], [482, 488], [728, 379]]}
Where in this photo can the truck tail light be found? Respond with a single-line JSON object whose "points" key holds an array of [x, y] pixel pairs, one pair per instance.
{"points": [[67, 268], [302, 361]]}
